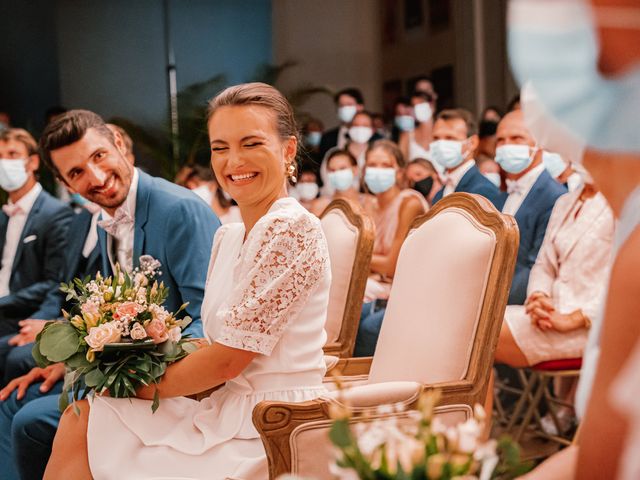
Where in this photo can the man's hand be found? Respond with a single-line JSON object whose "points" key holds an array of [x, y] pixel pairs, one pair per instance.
{"points": [[49, 376], [29, 330]]}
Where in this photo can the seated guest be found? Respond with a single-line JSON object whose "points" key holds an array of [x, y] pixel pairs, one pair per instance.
{"points": [[306, 189], [487, 140], [532, 193], [342, 168], [397, 209], [33, 232], [491, 171], [348, 102], [403, 120], [201, 181], [562, 171], [155, 218], [566, 285], [422, 176], [415, 143], [454, 142], [81, 259]]}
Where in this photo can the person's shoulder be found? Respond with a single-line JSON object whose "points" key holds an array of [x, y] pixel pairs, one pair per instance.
{"points": [[52, 203], [551, 187]]}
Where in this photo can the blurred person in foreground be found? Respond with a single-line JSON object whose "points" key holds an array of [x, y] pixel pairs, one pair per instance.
{"points": [[593, 90]]}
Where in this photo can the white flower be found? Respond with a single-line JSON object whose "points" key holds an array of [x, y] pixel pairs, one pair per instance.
{"points": [[468, 435], [175, 334], [138, 332], [102, 335]]}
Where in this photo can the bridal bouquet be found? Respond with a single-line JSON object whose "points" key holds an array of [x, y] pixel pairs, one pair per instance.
{"points": [[414, 445], [117, 337]]}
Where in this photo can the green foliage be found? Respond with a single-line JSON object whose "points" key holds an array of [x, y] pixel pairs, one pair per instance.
{"points": [[60, 342]]}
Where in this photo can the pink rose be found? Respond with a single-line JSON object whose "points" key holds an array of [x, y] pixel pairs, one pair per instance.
{"points": [[157, 330], [91, 308], [126, 309], [175, 334], [138, 332]]}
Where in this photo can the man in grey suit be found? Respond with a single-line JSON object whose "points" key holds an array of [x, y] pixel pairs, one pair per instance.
{"points": [[141, 215], [33, 232]]}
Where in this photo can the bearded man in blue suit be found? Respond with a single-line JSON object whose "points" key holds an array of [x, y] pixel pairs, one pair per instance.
{"points": [[142, 215]]}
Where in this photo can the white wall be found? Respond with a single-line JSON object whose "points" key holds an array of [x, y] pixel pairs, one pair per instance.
{"points": [[337, 44]]}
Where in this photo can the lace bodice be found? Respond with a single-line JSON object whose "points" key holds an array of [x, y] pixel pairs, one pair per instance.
{"points": [[279, 265]]}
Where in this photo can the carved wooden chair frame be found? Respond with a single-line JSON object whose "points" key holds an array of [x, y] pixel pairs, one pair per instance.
{"points": [[275, 421], [343, 346]]}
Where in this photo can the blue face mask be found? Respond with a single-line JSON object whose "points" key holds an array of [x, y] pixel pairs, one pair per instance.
{"points": [[312, 139], [554, 46], [341, 180], [448, 153], [514, 158], [405, 123], [379, 180], [554, 163]]}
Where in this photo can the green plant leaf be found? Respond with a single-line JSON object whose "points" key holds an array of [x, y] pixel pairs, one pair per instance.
{"points": [[94, 378], [340, 434], [59, 342]]}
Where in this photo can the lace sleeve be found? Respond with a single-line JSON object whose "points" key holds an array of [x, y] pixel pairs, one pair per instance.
{"points": [[283, 263]]}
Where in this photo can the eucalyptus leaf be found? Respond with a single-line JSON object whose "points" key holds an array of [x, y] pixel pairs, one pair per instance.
{"points": [[94, 378], [59, 342]]}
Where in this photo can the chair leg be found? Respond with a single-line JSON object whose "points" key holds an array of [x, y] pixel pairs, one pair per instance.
{"points": [[527, 388], [542, 383]]}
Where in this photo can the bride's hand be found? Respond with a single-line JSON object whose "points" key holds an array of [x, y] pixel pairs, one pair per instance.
{"points": [[200, 342]]}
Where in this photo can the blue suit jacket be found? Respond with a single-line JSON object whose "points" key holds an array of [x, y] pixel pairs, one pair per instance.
{"points": [[532, 218], [74, 267], [474, 182], [38, 264], [176, 228]]}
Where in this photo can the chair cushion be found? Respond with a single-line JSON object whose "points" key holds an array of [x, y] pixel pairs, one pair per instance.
{"points": [[556, 365], [342, 240], [435, 303]]}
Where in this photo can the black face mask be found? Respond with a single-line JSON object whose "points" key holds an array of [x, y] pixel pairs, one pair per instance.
{"points": [[424, 186]]}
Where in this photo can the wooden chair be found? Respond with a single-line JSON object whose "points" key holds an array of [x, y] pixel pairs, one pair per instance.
{"points": [[350, 235], [440, 330]]}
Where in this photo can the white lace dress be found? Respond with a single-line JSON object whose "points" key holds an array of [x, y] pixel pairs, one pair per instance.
{"points": [[268, 295]]}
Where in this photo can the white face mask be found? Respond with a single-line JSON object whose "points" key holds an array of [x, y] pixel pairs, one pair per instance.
{"points": [[448, 153], [554, 163], [574, 182], [307, 191], [341, 180], [514, 158], [346, 113], [423, 112], [13, 174], [360, 134], [494, 178]]}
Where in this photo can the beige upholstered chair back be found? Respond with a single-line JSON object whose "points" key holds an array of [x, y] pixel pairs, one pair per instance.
{"points": [[448, 296], [350, 236]]}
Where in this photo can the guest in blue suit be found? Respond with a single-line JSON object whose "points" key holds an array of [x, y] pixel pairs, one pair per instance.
{"points": [[81, 259], [143, 215], [532, 193], [33, 232], [455, 139]]}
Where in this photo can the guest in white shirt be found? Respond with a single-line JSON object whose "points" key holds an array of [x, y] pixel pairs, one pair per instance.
{"points": [[33, 232], [455, 139], [532, 193]]}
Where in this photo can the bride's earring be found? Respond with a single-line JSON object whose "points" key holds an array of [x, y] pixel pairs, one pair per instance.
{"points": [[291, 173]]}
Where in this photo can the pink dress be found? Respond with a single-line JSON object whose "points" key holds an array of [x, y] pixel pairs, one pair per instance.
{"points": [[572, 267], [267, 295], [386, 223]]}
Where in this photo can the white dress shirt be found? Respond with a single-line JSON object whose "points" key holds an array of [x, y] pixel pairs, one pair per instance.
{"points": [[122, 243], [519, 189], [14, 233], [92, 236], [453, 178]]}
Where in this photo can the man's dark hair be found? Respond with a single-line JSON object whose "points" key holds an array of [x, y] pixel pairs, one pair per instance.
{"points": [[460, 114], [352, 92], [68, 128]]}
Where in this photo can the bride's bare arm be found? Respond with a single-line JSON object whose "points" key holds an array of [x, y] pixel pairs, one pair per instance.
{"points": [[204, 369]]}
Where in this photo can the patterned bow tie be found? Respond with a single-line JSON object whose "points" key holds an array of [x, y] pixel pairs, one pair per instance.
{"points": [[110, 225], [514, 187], [11, 209]]}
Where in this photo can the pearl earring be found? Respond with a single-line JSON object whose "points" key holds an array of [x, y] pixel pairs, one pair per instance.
{"points": [[291, 172]]}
